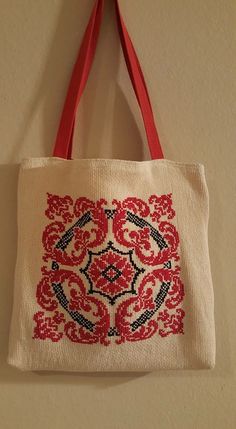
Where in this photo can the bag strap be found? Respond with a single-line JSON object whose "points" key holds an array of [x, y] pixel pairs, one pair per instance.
{"points": [[63, 144]]}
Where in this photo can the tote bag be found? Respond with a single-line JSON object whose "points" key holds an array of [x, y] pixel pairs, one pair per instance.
{"points": [[113, 270]]}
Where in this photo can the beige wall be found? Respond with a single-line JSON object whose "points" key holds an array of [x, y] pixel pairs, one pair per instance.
{"points": [[187, 48]]}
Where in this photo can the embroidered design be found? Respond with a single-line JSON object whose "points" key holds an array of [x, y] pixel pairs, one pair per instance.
{"points": [[111, 273], [110, 270]]}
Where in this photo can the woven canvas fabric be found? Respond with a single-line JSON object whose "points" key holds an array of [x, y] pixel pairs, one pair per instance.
{"points": [[113, 270]]}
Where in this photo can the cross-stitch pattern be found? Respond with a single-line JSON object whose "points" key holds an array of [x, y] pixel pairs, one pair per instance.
{"points": [[110, 273]]}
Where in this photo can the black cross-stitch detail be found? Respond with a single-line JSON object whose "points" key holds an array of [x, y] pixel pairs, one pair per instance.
{"points": [[167, 264], [69, 234], [55, 266], [110, 213], [111, 279], [138, 271], [113, 331], [147, 314], [153, 232], [76, 316]]}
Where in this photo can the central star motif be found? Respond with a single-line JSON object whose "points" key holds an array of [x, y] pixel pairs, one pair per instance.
{"points": [[111, 272]]}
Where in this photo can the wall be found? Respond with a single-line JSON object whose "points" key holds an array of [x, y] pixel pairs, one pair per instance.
{"points": [[187, 49]]}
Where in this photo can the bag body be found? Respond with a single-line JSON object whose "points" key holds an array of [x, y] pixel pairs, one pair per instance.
{"points": [[113, 270]]}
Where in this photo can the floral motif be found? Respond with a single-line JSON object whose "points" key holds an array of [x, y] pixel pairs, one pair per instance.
{"points": [[110, 271]]}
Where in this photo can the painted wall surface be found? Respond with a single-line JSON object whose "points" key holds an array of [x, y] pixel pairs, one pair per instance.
{"points": [[188, 52]]}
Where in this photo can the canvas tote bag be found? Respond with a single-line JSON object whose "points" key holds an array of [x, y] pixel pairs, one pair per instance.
{"points": [[112, 270]]}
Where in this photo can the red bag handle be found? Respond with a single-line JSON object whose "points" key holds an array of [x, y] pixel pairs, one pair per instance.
{"points": [[63, 144]]}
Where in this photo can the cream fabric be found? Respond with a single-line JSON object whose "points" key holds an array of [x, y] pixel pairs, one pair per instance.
{"points": [[114, 179]]}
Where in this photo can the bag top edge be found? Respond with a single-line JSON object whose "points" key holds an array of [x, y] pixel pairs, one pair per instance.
{"points": [[43, 161]]}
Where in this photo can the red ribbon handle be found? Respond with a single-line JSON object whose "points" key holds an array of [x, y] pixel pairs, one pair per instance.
{"points": [[63, 144]]}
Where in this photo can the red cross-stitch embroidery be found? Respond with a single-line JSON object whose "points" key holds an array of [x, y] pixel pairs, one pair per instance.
{"points": [[110, 271]]}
